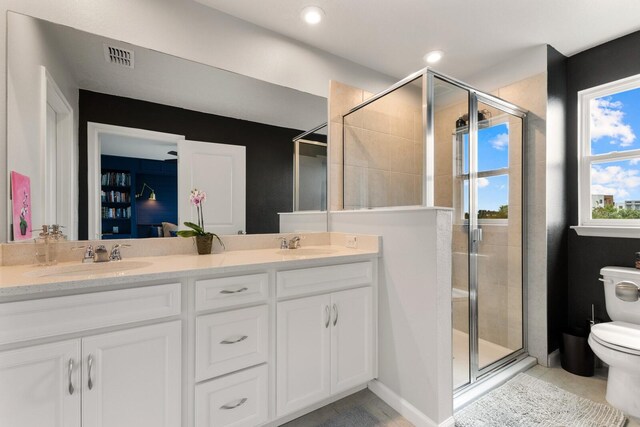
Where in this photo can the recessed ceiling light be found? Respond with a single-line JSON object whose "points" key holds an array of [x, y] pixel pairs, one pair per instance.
{"points": [[312, 15], [433, 56]]}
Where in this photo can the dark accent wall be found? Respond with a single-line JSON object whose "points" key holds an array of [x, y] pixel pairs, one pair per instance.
{"points": [[269, 150], [557, 209], [608, 62]]}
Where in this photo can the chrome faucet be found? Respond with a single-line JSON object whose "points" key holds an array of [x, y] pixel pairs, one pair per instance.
{"points": [[115, 254], [89, 254], [294, 242], [101, 254], [283, 242]]}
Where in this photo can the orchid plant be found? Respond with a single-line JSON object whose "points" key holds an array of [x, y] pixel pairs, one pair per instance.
{"points": [[197, 198]]}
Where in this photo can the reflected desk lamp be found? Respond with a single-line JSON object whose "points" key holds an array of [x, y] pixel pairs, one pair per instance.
{"points": [[152, 196]]}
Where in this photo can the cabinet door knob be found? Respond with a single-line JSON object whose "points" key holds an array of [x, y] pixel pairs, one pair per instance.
{"points": [[90, 365], [327, 314], [71, 389], [335, 314]]}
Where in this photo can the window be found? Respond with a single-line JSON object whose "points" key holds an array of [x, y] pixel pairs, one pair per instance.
{"points": [[493, 172], [609, 140]]}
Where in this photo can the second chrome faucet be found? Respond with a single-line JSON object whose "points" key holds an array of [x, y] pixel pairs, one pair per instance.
{"points": [[100, 253], [294, 242]]}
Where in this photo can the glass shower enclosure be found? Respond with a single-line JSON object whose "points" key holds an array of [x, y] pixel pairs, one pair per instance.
{"points": [[431, 140]]}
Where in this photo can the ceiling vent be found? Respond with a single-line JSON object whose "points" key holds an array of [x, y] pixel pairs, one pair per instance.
{"points": [[118, 56]]}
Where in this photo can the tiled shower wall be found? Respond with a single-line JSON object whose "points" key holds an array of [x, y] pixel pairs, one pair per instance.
{"points": [[381, 148]]}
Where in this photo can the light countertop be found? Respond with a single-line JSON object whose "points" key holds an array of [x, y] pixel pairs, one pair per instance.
{"points": [[21, 281]]}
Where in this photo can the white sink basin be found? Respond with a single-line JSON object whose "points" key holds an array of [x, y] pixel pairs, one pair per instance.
{"points": [[87, 269], [305, 252]]}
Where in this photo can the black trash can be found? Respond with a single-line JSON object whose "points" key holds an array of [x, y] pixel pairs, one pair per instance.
{"points": [[577, 356]]}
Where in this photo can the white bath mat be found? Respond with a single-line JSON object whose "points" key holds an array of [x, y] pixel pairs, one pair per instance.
{"points": [[528, 401]]}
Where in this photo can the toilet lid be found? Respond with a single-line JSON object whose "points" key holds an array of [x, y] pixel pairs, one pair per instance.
{"points": [[619, 334]]}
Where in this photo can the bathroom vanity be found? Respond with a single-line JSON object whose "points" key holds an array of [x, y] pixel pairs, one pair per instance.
{"points": [[242, 338]]}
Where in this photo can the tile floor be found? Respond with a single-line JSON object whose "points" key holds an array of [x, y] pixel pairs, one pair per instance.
{"points": [[366, 400], [593, 388]]}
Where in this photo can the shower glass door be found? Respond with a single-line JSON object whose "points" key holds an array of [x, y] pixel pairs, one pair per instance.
{"points": [[477, 142], [495, 234]]}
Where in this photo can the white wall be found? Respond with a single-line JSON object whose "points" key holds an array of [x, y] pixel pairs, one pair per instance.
{"points": [[529, 63], [414, 326], [187, 29], [29, 48]]}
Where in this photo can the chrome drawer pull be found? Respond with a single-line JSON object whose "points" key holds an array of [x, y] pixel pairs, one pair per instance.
{"points": [[335, 310], [71, 389], [242, 338], [90, 363], [225, 291], [240, 403], [327, 315]]}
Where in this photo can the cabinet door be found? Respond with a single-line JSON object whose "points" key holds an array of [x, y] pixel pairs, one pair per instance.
{"points": [[34, 386], [132, 378], [303, 354], [351, 339]]}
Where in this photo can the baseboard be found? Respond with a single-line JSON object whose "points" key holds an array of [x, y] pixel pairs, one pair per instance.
{"points": [[553, 359], [404, 408]]}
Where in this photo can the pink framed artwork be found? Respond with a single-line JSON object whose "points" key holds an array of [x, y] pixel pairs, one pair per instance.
{"points": [[21, 198]]}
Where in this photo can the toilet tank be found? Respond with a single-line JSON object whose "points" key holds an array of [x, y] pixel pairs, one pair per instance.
{"points": [[617, 309]]}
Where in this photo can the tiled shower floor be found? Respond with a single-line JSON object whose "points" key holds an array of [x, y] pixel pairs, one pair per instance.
{"points": [[489, 352]]}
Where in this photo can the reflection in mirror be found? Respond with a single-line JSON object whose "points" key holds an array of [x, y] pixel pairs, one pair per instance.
{"points": [[309, 183], [83, 109], [310, 170]]}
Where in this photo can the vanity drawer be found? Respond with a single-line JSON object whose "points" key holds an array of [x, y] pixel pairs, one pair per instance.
{"points": [[25, 320], [238, 400], [230, 291], [232, 340], [320, 279]]}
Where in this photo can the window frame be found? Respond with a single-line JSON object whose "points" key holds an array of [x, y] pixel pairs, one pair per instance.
{"points": [[586, 159]]}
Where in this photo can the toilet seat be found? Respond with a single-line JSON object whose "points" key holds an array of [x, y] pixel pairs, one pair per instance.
{"points": [[619, 336]]}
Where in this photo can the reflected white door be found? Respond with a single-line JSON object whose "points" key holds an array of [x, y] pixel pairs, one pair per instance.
{"points": [[220, 171], [51, 178]]}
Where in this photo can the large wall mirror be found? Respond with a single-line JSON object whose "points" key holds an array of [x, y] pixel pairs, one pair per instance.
{"points": [[112, 137]]}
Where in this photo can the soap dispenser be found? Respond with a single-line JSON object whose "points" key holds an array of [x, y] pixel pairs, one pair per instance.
{"points": [[47, 244]]}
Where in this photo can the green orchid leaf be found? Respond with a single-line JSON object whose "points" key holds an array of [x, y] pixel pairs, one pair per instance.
{"points": [[187, 233], [219, 240], [195, 227]]}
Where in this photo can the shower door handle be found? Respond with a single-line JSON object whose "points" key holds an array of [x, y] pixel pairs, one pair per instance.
{"points": [[476, 235]]}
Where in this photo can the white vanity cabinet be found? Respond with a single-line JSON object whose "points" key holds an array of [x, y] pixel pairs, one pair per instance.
{"points": [[40, 386], [132, 378], [123, 378], [128, 378], [325, 343], [247, 347]]}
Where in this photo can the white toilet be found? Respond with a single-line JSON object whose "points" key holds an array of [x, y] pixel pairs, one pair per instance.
{"points": [[617, 343]]}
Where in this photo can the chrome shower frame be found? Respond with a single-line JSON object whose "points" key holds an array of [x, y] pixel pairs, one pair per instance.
{"points": [[476, 374]]}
